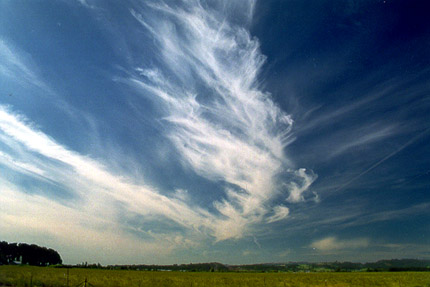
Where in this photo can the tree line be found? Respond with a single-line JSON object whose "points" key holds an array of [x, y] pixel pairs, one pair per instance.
{"points": [[192, 267], [31, 254]]}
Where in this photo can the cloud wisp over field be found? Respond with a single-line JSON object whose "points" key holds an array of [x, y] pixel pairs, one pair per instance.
{"points": [[233, 131]]}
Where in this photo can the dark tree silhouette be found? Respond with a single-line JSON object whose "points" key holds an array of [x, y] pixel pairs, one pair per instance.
{"points": [[28, 254]]}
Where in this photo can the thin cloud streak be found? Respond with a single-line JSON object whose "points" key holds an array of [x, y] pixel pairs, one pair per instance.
{"points": [[14, 66], [408, 143], [348, 217], [369, 135]]}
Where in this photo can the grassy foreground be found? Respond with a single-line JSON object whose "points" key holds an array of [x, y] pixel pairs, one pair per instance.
{"points": [[45, 276]]}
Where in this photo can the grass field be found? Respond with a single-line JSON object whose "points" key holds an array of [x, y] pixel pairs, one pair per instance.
{"points": [[44, 276]]}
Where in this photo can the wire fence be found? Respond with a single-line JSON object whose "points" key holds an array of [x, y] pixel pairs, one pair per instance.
{"points": [[85, 283]]}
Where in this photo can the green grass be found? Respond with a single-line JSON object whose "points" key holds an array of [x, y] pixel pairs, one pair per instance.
{"points": [[45, 276]]}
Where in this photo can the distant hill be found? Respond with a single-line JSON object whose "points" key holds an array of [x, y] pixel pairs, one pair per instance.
{"points": [[22, 253], [400, 264], [382, 265]]}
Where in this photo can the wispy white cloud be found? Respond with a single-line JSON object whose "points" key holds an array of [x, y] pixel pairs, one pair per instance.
{"points": [[305, 179], [86, 4], [224, 127], [333, 243], [279, 213]]}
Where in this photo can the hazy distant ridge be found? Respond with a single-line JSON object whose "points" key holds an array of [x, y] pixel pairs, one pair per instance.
{"points": [[381, 265]]}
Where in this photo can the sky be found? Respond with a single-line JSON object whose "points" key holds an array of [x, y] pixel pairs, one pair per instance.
{"points": [[236, 131]]}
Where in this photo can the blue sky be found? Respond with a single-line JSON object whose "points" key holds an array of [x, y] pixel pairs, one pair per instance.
{"points": [[230, 131]]}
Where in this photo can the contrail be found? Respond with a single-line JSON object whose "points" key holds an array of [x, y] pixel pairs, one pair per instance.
{"points": [[409, 142]]}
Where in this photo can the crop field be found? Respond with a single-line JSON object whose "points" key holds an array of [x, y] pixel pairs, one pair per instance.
{"points": [[45, 276]]}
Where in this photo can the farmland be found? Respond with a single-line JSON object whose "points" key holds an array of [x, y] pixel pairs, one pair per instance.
{"points": [[46, 276]]}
